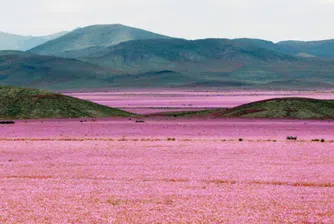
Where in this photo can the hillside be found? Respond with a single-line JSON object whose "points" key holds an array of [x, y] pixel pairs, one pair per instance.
{"points": [[18, 42], [183, 55], [19, 68], [180, 50], [141, 61], [93, 36], [23, 103], [180, 69], [217, 62], [290, 108], [29, 70], [323, 48]]}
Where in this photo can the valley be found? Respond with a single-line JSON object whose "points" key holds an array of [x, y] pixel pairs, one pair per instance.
{"points": [[169, 100]]}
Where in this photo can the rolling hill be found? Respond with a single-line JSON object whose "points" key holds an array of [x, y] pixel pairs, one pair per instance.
{"points": [[22, 43], [291, 108], [93, 36], [23, 103], [285, 108]]}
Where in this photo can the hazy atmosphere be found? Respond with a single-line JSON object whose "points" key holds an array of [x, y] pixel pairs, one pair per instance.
{"points": [[193, 19]]}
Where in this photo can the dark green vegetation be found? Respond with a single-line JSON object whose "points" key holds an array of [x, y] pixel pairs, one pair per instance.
{"points": [[287, 108], [291, 108], [117, 56], [17, 42], [93, 36], [23, 103]]}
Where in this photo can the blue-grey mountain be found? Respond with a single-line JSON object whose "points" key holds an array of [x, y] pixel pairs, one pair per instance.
{"points": [[18, 42], [117, 56], [94, 36], [323, 49]]}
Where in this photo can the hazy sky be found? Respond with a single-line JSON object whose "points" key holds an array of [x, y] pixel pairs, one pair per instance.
{"points": [[266, 19]]}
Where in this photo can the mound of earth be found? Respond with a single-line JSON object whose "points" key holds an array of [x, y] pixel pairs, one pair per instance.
{"points": [[24, 103], [291, 108]]}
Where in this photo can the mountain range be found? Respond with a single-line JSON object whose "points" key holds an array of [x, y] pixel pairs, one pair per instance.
{"points": [[18, 42], [94, 36], [108, 56]]}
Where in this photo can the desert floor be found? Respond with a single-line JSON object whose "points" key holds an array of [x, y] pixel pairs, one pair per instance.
{"points": [[166, 171]]}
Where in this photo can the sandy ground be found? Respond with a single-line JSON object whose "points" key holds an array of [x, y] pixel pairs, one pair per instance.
{"points": [[166, 171]]}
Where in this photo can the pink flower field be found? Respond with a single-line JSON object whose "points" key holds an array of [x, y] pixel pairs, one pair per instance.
{"points": [[152, 101], [166, 171]]}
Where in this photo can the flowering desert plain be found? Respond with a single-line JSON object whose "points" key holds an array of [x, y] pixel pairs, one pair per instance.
{"points": [[168, 169]]}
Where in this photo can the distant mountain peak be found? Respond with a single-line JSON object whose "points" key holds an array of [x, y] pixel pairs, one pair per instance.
{"points": [[101, 35]]}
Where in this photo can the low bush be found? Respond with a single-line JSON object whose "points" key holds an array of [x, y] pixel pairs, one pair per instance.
{"points": [[318, 140], [171, 139], [291, 138], [7, 122]]}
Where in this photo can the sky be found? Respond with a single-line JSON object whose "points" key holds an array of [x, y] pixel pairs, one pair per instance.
{"points": [[273, 20]]}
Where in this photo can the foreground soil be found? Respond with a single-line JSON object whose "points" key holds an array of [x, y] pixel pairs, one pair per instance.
{"points": [[166, 171]]}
